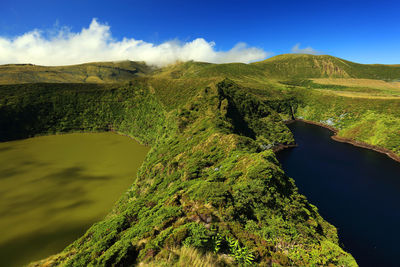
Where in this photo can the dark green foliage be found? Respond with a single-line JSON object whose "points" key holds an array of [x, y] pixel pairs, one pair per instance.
{"points": [[241, 254], [210, 167], [373, 121], [198, 236], [34, 109], [217, 240], [211, 180], [252, 118]]}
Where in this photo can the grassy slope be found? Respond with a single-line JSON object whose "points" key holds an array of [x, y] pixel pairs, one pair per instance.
{"points": [[255, 74], [209, 176], [372, 121], [352, 82], [102, 72], [210, 173], [365, 114], [32, 109], [361, 109], [310, 66]]}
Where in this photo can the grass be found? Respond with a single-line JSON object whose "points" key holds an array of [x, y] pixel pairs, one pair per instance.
{"points": [[370, 119], [187, 256], [255, 75], [211, 170], [324, 66], [354, 94], [101, 72], [352, 82]]}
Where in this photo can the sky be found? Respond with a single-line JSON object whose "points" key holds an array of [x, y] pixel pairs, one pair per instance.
{"points": [[55, 32]]}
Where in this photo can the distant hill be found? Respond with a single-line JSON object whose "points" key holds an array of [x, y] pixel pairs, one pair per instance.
{"points": [[286, 66], [97, 72], [324, 66]]}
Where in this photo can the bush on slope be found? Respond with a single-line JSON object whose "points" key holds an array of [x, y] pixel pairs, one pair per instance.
{"points": [[205, 177]]}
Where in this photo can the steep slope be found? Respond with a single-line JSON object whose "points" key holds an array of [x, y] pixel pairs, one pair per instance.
{"points": [[28, 110], [324, 66], [101, 72], [373, 122], [255, 75], [193, 69], [211, 181]]}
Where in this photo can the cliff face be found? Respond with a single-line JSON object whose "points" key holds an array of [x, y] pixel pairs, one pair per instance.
{"points": [[324, 66], [210, 183]]}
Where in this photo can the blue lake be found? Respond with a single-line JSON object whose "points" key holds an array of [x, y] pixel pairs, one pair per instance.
{"points": [[355, 189]]}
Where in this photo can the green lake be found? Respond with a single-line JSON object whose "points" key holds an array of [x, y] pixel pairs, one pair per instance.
{"points": [[52, 188]]}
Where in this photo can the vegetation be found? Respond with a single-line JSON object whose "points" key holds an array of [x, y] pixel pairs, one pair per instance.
{"points": [[211, 172], [210, 192], [101, 72], [372, 121], [32, 109], [311, 66]]}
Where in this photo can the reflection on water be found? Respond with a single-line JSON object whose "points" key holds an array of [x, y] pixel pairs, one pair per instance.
{"points": [[53, 188], [355, 189]]}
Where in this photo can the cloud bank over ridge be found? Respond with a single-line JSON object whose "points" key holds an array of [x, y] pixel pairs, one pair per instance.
{"points": [[307, 50], [96, 43]]}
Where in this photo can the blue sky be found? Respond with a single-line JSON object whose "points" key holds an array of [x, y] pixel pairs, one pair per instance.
{"points": [[360, 31]]}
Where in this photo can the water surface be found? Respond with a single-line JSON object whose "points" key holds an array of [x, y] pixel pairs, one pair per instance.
{"points": [[355, 189], [53, 188]]}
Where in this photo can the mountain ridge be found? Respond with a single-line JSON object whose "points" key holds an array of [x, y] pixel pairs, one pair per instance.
{"points": [[94, 72], [285, 66]]}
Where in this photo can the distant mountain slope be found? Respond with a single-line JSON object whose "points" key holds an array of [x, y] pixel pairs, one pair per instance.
{"points": [[287, 66], [192, 69], [324, 66], [284, 66], [97, 72]]}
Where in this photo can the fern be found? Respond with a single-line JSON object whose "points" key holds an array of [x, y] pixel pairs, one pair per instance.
{"points": [[242, 255]]}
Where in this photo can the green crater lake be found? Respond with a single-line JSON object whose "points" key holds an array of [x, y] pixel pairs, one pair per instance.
{"points": [[52, 188]]}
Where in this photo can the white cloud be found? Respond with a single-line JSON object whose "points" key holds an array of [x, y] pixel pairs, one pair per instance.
{"points": [[96, 43], [307, 50]]}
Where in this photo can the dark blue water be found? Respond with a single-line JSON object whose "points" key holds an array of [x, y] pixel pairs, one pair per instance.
{"points": [[355, 189]]}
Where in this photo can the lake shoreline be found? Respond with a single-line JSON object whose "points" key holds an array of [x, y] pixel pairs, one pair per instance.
{"points": [[335, 131], [351, 187], [71, 179], [282, 147]]}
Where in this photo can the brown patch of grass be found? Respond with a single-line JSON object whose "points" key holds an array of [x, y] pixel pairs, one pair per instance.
{"points": [[358, 94], [370, 83], [186, 256], [228, 141]]}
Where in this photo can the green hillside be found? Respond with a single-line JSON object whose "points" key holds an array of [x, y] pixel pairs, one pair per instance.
{"points": [[211, 179], [102, 72], [284, 66], [210, 191], [259, 73], [323, 66]]}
